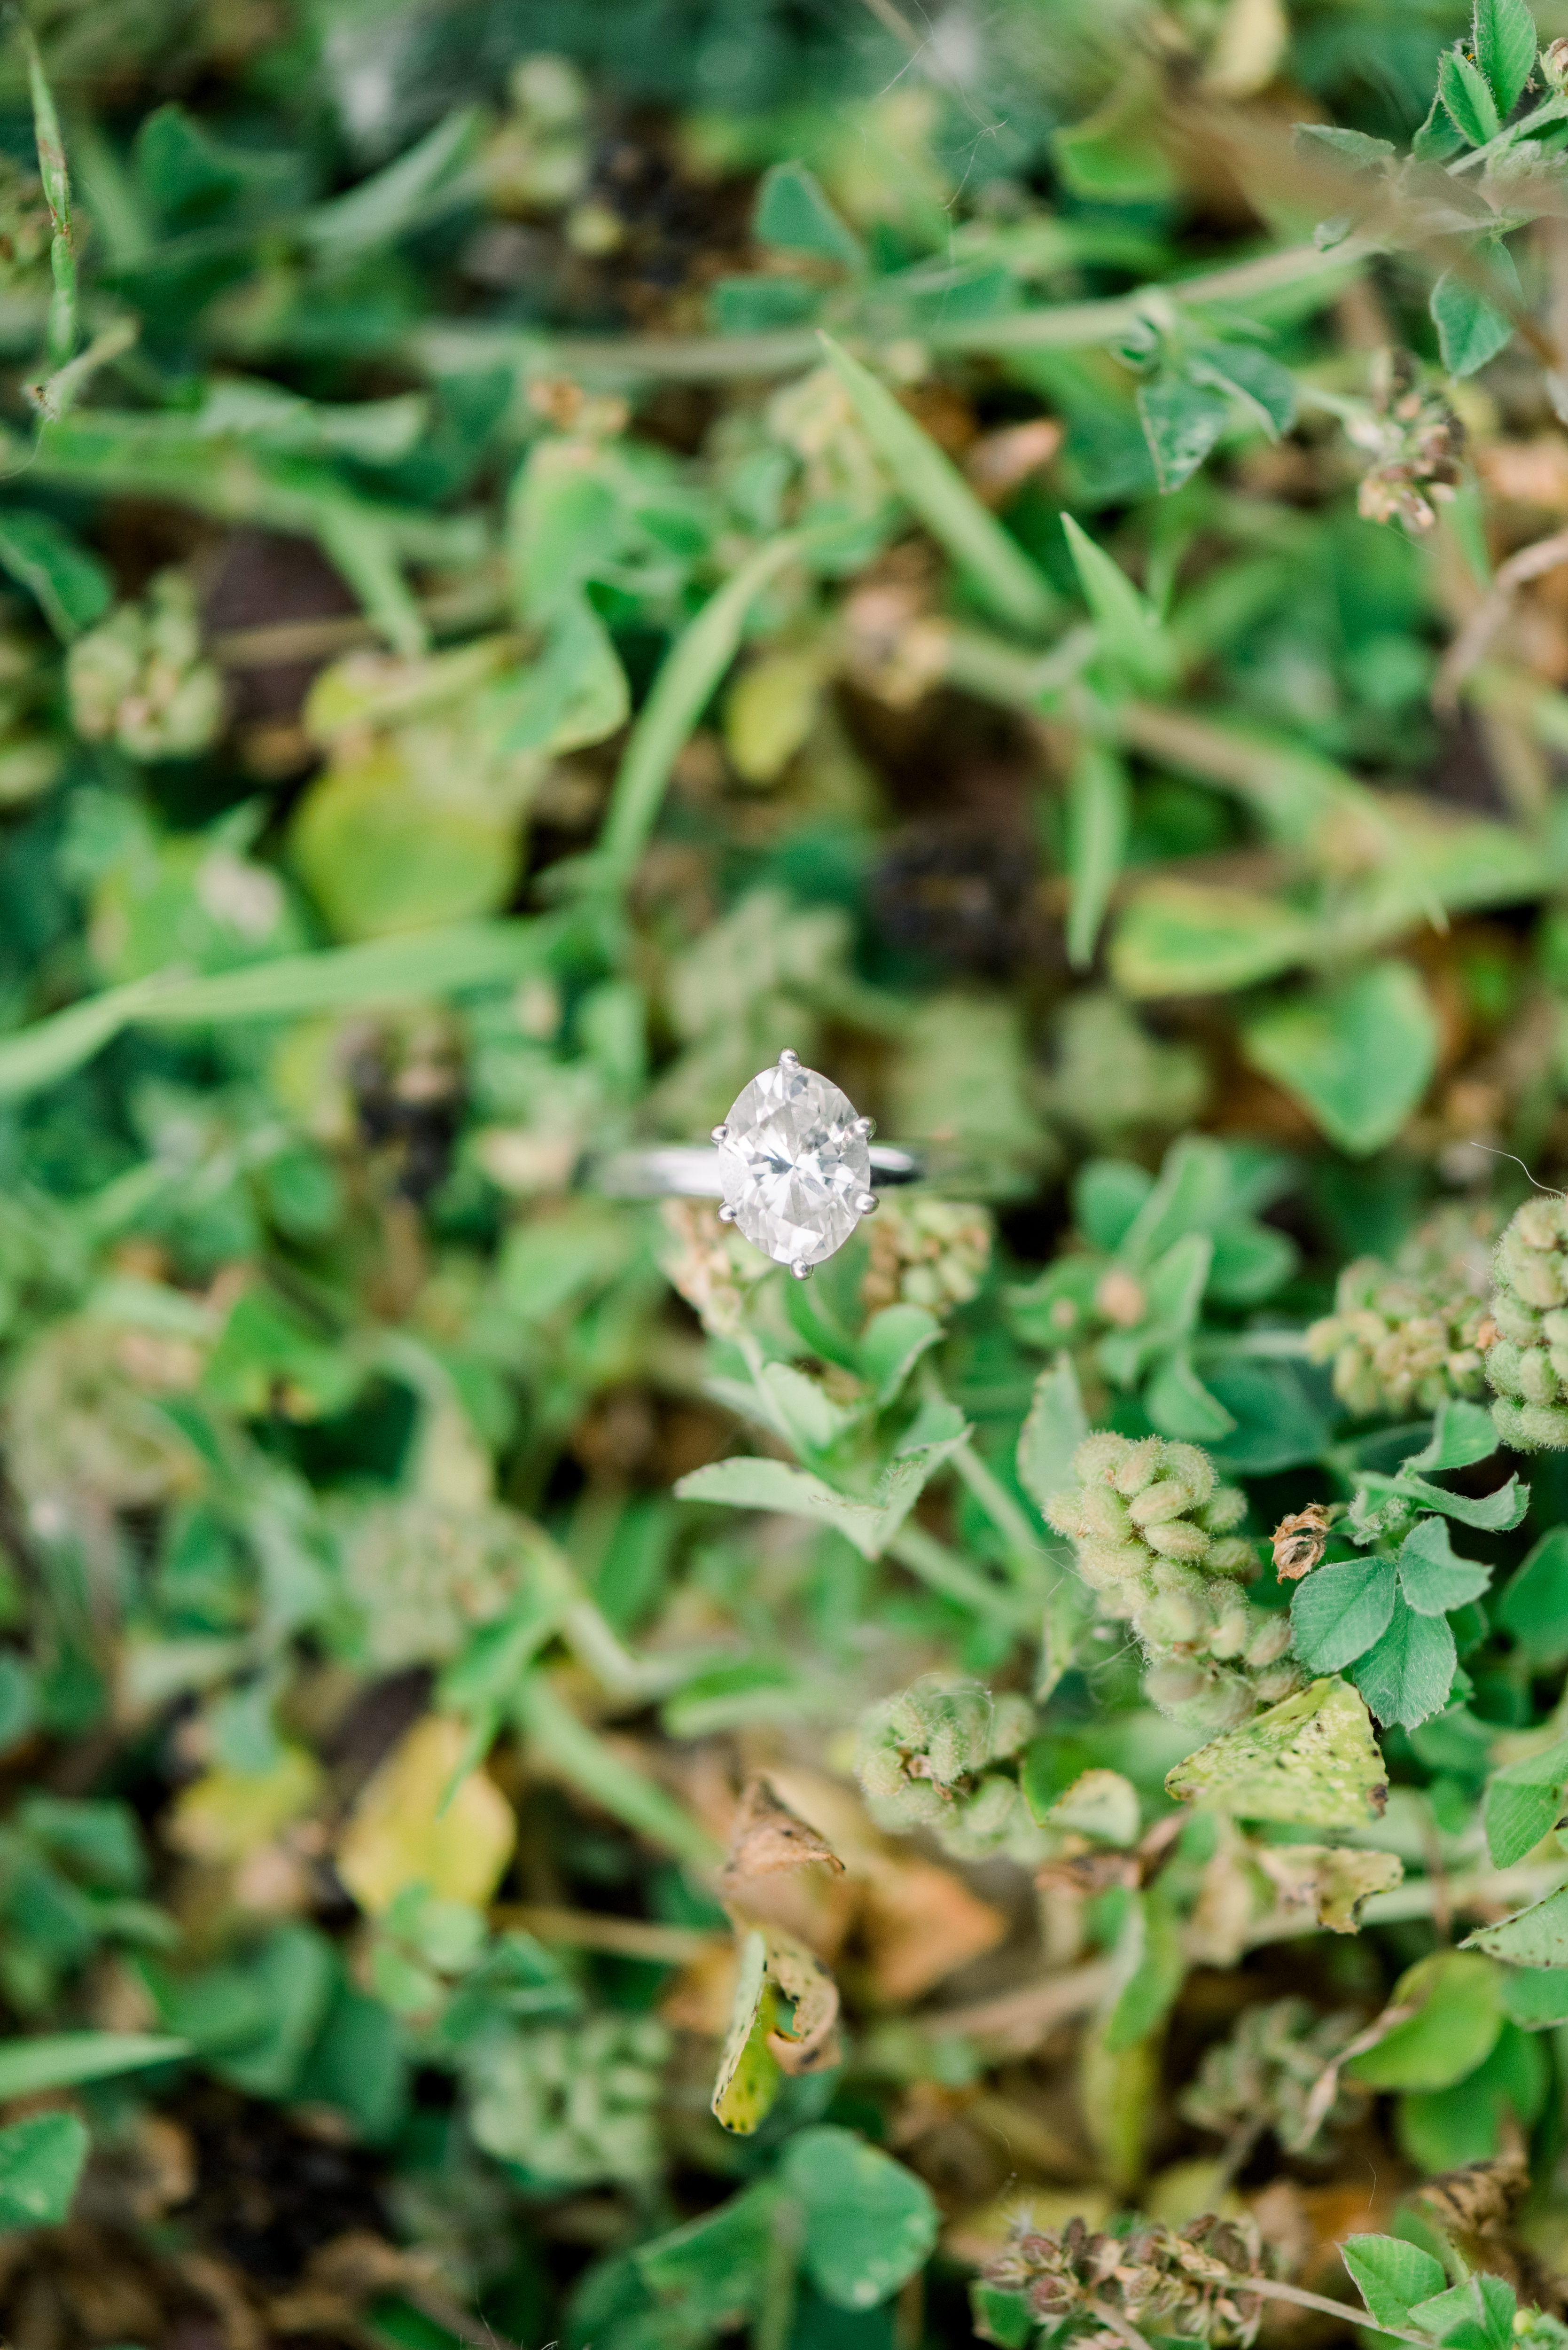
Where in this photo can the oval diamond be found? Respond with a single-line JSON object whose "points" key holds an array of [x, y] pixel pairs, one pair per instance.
{"points": [[792, 1159]]}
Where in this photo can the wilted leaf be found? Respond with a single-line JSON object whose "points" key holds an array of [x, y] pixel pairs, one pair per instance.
{"points": [[1312, 1760], [749, 2072], [1536, 1937], [410, 1827]]}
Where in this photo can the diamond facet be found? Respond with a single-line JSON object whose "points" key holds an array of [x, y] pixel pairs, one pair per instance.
{"points": [[794, 1163]]}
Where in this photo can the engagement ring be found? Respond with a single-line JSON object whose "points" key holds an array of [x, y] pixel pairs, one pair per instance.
{"points": [[794, 1164]]}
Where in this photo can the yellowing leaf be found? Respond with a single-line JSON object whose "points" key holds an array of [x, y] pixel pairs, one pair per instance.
{"points": [[401, 1831], [227, 1814], [1312, 1760], [749, 2072]]}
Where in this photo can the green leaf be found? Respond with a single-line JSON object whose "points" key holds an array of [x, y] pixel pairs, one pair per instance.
{"points": [[996, 566], [1524, 1802], [71, 587], [1190, 938], [1472, 329], [41, 2160], [1099, 812], [1353, 147], [1536, 1997], [1436, 139], [891, 1344], [1442, 2129], [1536, 1937], [1358, 1057], [574, 693], [715, 2268], [1056, 1424], [750, 2076], [869, 2223], [794, 213], [753, 1484], [1003, 2318], [1505, 35], [1132, 635], [1266, 388], [1432, 1578], [1390, 2275], [1466, 95], [1148, 1968], [1406, 1677], [391, 201], [1338, 1612], [1534, 1604], [59, 2060], [1495, 1512], [1182, 422], [1458, 2015], [1311, 1759], [1178, 1404], [1462, 1434]]}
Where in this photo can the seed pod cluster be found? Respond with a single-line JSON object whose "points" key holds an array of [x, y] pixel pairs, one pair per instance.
{"points": [[1527, 1362], [1405, 1337], [941, 1755], [1189, 2282], [929, 1252], [1263, 2075], [1155, 1535]]}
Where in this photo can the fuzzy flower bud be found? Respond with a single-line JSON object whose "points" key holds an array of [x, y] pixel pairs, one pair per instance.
{"points": [[1527, 1363], [713, 1269], [1152, 1532], [1405, 1337], [937, 1755], [138, 677], [929, 1252]]}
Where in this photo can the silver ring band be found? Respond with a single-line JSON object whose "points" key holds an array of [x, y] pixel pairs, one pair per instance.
{"points": [[693, 1171]]}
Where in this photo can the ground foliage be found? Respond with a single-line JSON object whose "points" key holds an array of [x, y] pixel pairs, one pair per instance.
{"points": [[561, 1785]]}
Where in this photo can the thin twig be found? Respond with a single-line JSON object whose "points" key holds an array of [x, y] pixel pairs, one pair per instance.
{"points": [[1269, 2288], [1474, 639]]}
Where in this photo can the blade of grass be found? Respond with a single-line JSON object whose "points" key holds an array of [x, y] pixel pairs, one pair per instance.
{"points": [[61, 335], [58, 2060], [1099, 811], [338, 979], [994, 564], [596, 1771], [682, 690]]}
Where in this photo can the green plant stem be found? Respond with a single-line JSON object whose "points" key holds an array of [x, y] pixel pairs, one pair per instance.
{"points": [[1003, 1511], [1269, 2288], [941, 1570], [453, 346], [601, 1773]]}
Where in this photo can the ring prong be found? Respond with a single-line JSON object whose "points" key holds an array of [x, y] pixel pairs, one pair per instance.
{"points": [[726, 1213], [788, 1060], [865, 1128], [866, 1204], [801, 1270], [721, 1134]]}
